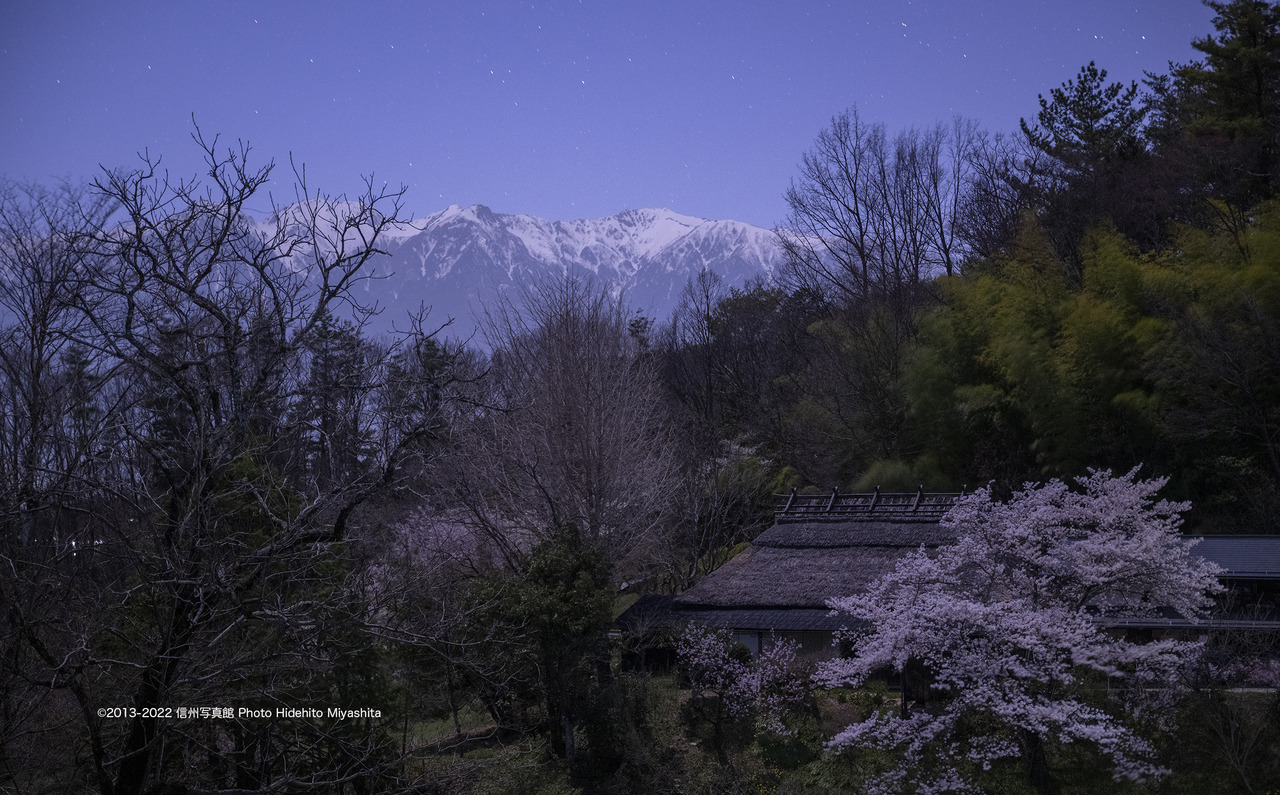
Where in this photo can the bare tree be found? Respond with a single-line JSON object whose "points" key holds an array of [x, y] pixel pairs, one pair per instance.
{"points": [[692, 365], [575, 433], [873, 222], [1002, 179], [870, 215], [50, 438], [205, 555]]}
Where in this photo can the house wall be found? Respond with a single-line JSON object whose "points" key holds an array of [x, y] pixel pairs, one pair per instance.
{"points": [[814, 645]]}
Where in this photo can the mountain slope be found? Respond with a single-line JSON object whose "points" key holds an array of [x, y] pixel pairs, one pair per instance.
{"points": [[464, 258]]}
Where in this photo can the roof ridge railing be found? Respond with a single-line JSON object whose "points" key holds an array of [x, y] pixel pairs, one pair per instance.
{"points": [[875, 503]]}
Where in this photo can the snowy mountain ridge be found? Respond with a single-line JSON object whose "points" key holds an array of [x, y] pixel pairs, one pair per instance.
{"points": [[459, 259], [619, 242]]}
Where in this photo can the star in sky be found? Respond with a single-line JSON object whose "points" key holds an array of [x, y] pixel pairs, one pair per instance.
{"points": [[556, 109]]}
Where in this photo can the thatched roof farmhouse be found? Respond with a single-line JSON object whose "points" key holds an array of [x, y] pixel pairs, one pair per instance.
{"points": [[819, 546], [822, 546]]}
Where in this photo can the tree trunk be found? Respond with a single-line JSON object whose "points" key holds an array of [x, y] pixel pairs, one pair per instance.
{"points": [[136, 760], [1037, 763], [570, 748]]}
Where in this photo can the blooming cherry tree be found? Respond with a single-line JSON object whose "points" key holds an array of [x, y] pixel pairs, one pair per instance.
{"points": [[1010, 623], [764, 687]]}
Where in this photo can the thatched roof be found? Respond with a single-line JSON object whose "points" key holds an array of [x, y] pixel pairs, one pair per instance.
{"points": [[649, 612], [818, 548], [849, 533], [790, 577], [800, 619], [824, 547], [800, 563]]}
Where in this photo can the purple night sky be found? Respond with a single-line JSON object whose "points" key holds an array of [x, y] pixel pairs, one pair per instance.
{"points": [[560, 109]]}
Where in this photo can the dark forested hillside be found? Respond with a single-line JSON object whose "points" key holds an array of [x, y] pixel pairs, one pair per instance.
{"points": [[963, 308]]}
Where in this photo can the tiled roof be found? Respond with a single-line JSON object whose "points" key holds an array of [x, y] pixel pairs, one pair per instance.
{"points": [[1251, 557]]}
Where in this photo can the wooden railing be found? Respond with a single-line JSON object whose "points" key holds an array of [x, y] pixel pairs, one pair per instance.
{"points": [[926, 505]]}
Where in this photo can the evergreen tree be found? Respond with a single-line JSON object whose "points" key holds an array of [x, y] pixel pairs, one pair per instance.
{"points": [[1090, 131], [1215, 122], [1088, 122]]}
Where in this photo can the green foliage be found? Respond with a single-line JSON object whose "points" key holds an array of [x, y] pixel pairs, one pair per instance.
{"points": [[1167, 358], [564, 594], [555, 613], [983, 377], [1239, 67], [1214, 121], [1214, 368], [851, 403], [897, 475], [518, 769]]}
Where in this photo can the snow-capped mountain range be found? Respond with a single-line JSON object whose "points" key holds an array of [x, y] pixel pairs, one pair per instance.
{"points": [[457, 260]]}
